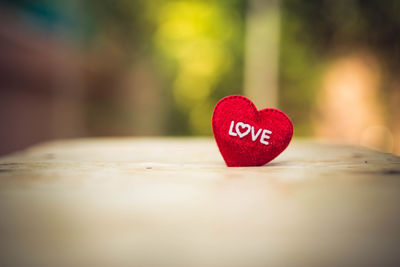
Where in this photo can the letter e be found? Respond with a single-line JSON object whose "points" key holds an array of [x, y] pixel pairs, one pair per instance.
{"points": [[265, 136]]}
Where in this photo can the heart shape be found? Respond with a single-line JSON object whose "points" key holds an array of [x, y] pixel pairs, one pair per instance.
{"points": [[249, 137], [242, 125]]}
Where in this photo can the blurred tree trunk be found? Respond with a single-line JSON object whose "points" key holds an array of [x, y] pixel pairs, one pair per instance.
{"points": [[262, 51]]}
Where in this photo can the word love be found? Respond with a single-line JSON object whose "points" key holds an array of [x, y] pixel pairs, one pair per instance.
{"points": [[243, 129]]}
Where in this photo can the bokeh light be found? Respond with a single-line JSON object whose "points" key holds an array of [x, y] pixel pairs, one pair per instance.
{"points": [[133, 68]]}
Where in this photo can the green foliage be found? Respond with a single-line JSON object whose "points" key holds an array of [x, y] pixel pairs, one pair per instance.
{"points": [[202, 41], [195, 48]]}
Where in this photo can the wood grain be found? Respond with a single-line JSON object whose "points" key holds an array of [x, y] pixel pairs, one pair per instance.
{"points": [[172, 202]]}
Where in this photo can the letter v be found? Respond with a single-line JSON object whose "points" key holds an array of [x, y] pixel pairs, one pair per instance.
{"points": [[254, 137]]}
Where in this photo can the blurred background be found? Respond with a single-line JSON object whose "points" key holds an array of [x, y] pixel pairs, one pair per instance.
{"points": [[138, 67]]}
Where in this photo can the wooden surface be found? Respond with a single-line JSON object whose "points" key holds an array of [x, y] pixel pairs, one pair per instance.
{"points": [[172, 202]]}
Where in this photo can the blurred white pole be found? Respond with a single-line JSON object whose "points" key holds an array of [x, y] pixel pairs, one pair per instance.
{"points": [[262, 52]]}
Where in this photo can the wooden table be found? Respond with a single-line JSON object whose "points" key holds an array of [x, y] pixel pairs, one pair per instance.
{"points": [[172, 202]]}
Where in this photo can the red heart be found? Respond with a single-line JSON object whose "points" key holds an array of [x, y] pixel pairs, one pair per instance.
{"points": [[246, 136]]}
